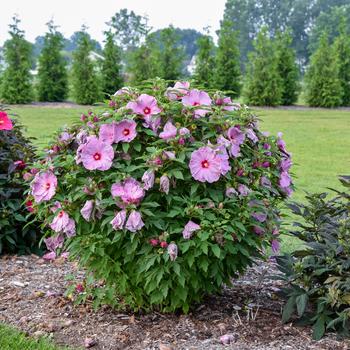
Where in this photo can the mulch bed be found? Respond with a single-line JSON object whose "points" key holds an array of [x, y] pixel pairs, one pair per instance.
{"points": [[31, 299]]}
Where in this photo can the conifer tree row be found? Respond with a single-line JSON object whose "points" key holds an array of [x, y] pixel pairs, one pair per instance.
{"points": [[323, 86], [263, 85], [342, 52], [85, 80], [16, 82], [205, 61], [227, 69], [111, 70], [52, 72]]}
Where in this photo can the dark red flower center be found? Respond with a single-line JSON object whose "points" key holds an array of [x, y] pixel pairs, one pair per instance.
{"points": [[205, 164], [126, 132], [48, 185], [147, 110], [97, 156], [60, 214], [196, 104]]}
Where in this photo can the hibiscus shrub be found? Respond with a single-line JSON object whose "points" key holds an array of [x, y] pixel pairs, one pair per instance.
{"points": [[164, 196], [15, 152]]}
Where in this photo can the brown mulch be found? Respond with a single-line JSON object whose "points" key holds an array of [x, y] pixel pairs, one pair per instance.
{"points": [[31, 298]]}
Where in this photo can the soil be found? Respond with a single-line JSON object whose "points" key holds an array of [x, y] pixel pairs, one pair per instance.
{"points": [[31, 299]]}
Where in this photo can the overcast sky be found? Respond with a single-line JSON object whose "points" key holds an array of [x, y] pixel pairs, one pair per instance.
{"points": [[71, 14]]}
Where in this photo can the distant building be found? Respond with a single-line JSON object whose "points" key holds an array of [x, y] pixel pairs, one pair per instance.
{"points": [[192, 65]]}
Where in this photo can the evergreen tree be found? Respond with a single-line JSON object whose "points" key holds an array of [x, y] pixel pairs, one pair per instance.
{"points": [[112, 79], [143, 63], [342, 50], [85, 82], [205, 61], [16, 80], [263, 86], [227, 72], [170, 54], [287, 68], [323, 87], [52, 73]]}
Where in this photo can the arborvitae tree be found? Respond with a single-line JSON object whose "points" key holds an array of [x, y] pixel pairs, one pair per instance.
{"points": [[52, 72], [85, 81], [111, 68], [323, 87], [143, 64], [287, 68], [342, 50], [170, 54], [205, 61], [263, 85], [227, 72], [16, 80]]}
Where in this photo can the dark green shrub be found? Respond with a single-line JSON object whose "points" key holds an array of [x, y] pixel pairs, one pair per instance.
{"points": [[318, 275], [15, 152]]}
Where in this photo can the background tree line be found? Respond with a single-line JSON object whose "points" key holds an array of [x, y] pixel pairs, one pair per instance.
{"points": [[262, 51]]}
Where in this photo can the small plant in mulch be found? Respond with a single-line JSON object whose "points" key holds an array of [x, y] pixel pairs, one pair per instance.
{"points": [[163, 197], [318, 275], [16, 151]]}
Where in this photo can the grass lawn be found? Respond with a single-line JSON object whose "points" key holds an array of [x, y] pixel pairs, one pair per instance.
{"points": [[11, 339], [42, 122], [318, 139]]}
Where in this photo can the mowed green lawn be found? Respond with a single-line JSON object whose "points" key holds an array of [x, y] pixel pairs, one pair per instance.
{"points": [[318, 139], [43, 122]]}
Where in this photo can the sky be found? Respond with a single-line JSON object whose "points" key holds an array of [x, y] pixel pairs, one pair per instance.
{"points": [[71, 14]]}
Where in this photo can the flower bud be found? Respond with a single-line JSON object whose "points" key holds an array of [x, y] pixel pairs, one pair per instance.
{"points": [[172, 251]]}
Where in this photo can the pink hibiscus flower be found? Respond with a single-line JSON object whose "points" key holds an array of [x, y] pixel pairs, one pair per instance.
{"points": [[60, 221], [86, 210], [236, 137], [107, 133], [125, 131], [189, 228], [43, 187], [129, 191], [205, 165], [134, 222], [145, 105], [119, 220], [63, 223], [226, 104], [96, 155], [180, 89], [54, 242], [169, 131], [148, 179], [5, 121], [225, 165], [197, 98]]}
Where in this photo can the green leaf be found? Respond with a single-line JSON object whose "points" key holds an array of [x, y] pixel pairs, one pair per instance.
{"points": [[125, 146], [137, 147], [319, 328], [216, 250], [288, 309], [301, 302], [178, 174], [194, 188]]}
